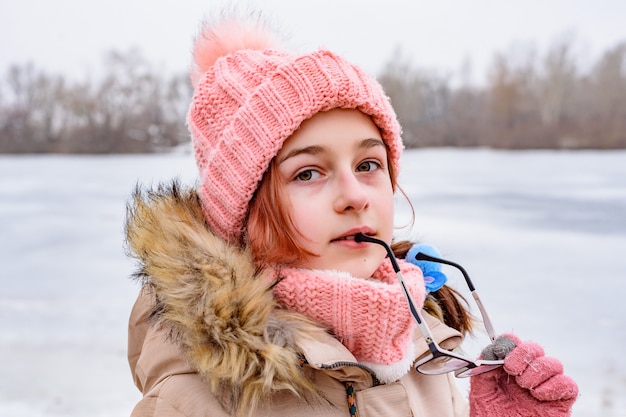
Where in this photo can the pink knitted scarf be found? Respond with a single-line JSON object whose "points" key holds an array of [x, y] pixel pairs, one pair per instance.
{"points": [[369, 316]]}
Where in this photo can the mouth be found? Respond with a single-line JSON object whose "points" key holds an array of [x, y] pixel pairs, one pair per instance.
{"points": [[351, 235]]}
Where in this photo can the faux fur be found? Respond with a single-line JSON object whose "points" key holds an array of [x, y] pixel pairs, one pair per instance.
{"points": [[216, 305]]}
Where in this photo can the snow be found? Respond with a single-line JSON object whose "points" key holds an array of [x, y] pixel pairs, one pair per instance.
{"points": [[542, 234]]}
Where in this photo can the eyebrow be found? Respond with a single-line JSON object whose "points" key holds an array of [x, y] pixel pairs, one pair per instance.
{"points": [[315, 149]]}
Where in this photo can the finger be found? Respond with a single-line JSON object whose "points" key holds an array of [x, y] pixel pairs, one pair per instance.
{"points": [[539, 371], [524, 354], [500, 348], [559, 387]]}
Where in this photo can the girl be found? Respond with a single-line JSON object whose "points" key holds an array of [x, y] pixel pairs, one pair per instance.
{"points": [[271, 289]]}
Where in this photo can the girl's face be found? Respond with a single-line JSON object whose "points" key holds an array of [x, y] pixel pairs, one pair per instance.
{"points": [[337, 183]]}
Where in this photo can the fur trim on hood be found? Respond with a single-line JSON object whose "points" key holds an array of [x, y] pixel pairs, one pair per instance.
{"points": [[213, 302]]}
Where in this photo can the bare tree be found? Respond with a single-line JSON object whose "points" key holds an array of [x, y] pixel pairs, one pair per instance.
{"points": [[421, 100], [608, 98]]}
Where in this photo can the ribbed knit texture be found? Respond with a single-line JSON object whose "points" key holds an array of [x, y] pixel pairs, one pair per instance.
{"points": [[250, 101], [369, 316], [529, 385]]}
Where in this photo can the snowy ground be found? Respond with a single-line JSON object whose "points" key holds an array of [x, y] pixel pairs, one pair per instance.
{"points": [[543, 235]]}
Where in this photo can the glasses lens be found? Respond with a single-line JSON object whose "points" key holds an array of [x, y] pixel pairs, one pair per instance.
{"points": [[481, 369], [442, 365]]}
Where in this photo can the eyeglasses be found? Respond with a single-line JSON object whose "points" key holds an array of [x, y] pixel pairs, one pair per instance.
{"points": [[439, 360]]}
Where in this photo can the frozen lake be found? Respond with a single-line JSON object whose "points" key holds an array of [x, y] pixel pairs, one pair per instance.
{"points": [[543, 235]]}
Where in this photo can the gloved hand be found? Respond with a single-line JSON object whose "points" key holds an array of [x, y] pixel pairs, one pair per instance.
{"points": [[529, 384]]}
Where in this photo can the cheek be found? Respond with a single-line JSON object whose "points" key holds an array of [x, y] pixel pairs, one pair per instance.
{"points": [[306, 217], [386, 210]]}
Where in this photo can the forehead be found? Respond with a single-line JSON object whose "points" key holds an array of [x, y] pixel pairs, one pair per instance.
{"points": [[337, 126]]}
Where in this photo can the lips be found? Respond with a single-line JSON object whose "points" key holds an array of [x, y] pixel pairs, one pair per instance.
{"points": [[349, 235]]}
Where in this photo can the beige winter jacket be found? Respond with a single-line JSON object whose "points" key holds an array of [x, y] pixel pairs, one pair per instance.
{"points": [[206, 337]]}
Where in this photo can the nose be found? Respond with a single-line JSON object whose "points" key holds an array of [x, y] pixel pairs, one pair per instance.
{"points": [[351, 194]]}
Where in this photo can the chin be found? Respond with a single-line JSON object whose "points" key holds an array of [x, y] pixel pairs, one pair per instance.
{"points": [[363, 271]]}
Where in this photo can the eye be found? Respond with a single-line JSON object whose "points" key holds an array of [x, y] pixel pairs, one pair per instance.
{"points": [[367, 166], [307, 175]]}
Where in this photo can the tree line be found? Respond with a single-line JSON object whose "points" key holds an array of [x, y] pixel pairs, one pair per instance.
{"points": [[530, 100], [131, 108]]}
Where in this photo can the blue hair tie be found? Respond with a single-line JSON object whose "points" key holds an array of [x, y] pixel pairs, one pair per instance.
{"points": [[433, 277]]}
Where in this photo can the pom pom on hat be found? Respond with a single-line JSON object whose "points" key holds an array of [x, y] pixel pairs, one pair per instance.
{"points": [[225, 38], [250, 97]]}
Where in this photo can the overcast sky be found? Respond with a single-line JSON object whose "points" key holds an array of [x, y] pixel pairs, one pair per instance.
{"points": [[71, 36]]}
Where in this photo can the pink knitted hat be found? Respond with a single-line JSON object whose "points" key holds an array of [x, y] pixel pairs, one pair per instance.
{"points": [[249, 99]]}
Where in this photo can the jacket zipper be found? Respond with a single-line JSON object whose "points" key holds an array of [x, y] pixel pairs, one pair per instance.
{"points": [[375, 381]]}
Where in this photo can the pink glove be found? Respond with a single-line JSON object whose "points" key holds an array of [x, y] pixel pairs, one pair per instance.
{"points": [[529, 384]]}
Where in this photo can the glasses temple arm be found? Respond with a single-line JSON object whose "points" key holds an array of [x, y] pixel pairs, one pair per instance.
{"points": [[421, 323], [486, 320]]}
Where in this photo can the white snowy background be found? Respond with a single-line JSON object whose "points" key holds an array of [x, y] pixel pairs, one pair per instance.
{"points": [[543, 235]]}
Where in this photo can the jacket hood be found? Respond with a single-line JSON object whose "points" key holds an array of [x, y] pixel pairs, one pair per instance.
{"points": [[212, 301]]}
